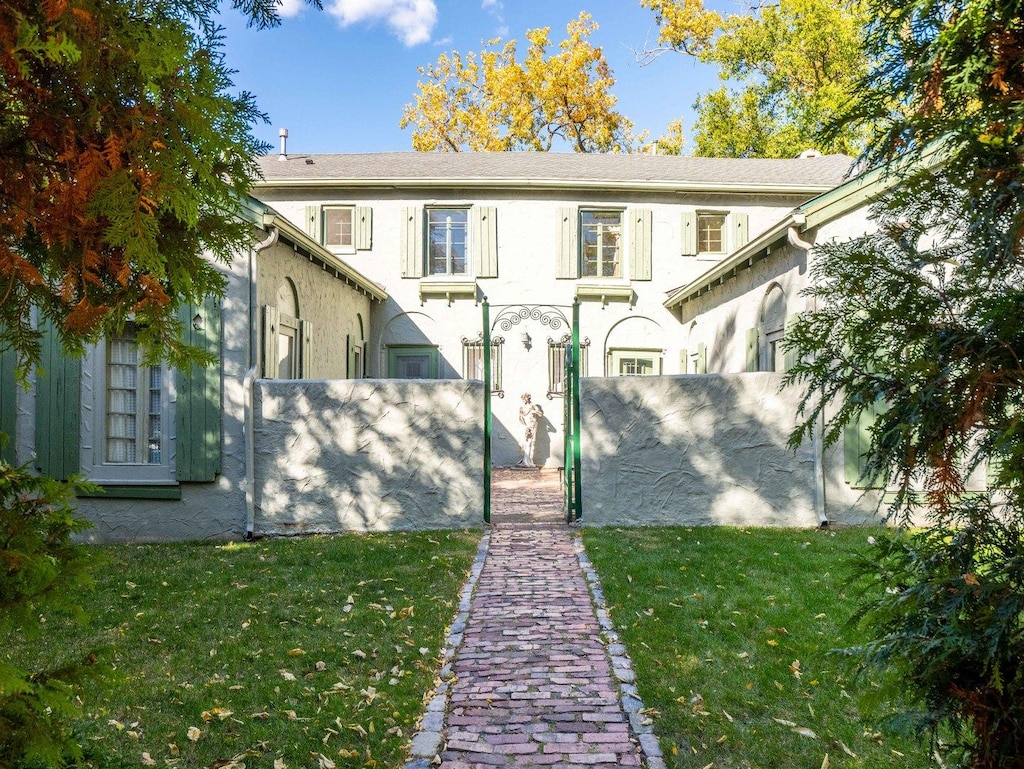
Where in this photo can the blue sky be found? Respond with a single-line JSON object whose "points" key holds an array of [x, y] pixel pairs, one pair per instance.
{"points": [[339, 78]]}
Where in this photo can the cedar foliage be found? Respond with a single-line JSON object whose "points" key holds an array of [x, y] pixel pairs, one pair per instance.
{"points": [[924, 315], [123, 156]]}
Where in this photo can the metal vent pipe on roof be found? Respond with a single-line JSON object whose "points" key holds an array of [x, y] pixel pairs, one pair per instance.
{"points": [[283, 133]]}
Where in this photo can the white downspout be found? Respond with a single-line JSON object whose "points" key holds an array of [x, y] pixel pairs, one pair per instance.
{"points": [[793, 236], [247, 387]]}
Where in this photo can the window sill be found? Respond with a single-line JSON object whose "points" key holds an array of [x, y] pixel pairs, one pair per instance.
{"points": [[135, 491], [604, 292], [447, 289]]}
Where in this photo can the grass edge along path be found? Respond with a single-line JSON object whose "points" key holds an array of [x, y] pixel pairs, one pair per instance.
{"points": [[730, 633], [305, 652]]}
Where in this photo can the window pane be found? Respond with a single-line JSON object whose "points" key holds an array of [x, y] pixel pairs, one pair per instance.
{"points": [[134, 405], [446, 241], [338, 226], [600, 233], [413, 366], [285, 356], [710, 231]]}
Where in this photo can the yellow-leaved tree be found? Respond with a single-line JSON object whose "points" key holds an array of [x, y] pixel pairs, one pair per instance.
{"points": [[490, 101]]}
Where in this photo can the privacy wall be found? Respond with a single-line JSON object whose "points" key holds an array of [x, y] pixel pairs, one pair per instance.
{"points": [[367, 455], [693, 450]]}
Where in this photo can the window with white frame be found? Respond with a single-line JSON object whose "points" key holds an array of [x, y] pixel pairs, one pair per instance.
{"points": [[600, 244], [473, 361], [127, 437], [711, 234], [337, 226], [557, 351], [135, 405], [634, 362], [447, 231]]}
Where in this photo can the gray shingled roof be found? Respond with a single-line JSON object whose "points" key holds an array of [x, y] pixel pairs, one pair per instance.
{"points": [[539, 168]]}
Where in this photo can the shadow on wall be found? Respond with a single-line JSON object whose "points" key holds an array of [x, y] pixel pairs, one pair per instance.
{"points": [[694, 450], [367, 455]]}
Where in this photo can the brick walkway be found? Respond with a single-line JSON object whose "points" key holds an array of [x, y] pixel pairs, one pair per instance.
{"points": [[529, 680]]}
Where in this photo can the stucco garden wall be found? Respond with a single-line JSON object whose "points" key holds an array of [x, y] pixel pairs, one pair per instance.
{"points": [[367, 455], [694, 450]]}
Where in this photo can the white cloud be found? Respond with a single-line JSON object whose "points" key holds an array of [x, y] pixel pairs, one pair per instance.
{"points": [[497, 9], [412, 21], [288, 8]]}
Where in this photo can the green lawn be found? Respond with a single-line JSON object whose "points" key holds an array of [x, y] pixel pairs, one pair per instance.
{"points": [[309, 652], [730, 632]]}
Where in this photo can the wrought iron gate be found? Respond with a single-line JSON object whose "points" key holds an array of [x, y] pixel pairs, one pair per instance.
{"points": [[571, 412]]}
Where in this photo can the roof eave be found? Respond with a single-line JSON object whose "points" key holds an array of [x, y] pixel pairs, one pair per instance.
{"points": [[329, 260], [738, 260], [560, 184]]}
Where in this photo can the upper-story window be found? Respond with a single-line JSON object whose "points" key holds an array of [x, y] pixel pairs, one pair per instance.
{"points": [[600, 244], [441, 242], [710, 233], [343, 228], [447, 230], [337, 223], [611, 245]]}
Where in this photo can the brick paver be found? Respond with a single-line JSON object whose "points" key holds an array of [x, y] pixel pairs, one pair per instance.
{"points": [[532, 682]]}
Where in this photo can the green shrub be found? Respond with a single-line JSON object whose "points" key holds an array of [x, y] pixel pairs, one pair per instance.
{"points": [[40, 567], [946, 612]]}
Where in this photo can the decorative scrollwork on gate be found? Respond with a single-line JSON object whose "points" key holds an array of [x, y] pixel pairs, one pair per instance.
{"points": [[513, 315]]}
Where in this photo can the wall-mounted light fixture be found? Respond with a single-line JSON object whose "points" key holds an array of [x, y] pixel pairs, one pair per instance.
{"points": [[527, 342]]}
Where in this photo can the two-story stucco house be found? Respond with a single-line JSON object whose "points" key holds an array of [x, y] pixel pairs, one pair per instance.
{"points": [[531, 233]]}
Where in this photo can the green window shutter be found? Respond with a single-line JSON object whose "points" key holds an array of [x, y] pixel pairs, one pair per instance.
{"points": [[363, 226], [856, 441], [640, 245], [701, 364], [738, 236], [789, 357], [8, 405], [484, 238], [992, 471], [58, 408], [270, 320], [305, 349], [567, 259], [412, 242], [689, 232], [684, 361], [197, 412], [314, 228], [752, 340], [350, 368]]}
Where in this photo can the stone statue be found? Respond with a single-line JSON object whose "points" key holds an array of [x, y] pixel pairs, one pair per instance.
{"points": [[530, 415]]}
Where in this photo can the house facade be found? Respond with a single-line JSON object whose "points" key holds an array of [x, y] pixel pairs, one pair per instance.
{"points": [[171, 450], [366, 268], [532, 233]]}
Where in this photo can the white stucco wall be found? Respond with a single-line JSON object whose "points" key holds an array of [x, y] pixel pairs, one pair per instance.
{"points": [[694, 450], [338, 313], [527, 236], [368, 455]]}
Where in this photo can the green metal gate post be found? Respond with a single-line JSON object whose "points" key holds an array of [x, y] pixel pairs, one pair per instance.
{"points": [[577, 490], [487, 410]]}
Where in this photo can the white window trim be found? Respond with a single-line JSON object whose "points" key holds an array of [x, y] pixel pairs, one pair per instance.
{"points": [[726, 245], [94, 428], [623, 259], [338, 249], [448, 276], [617, 354]]}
